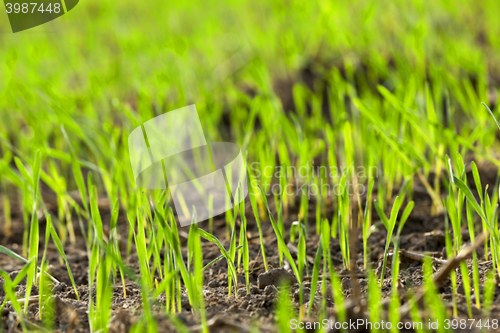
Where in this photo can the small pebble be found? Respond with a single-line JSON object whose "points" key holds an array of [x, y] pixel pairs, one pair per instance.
{"points": [[346, 283], [270, 290], [254, 290], [71, 294], [185, 302], [305, 294], [13, 275], [61, 287], [275, 277], [214, 284]]}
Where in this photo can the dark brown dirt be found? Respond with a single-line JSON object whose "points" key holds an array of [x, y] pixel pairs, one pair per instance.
{"points": [[422, 232]]}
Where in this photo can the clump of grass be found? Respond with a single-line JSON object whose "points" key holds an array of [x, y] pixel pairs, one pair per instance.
{"points": [[487, 212], [455, 208]]}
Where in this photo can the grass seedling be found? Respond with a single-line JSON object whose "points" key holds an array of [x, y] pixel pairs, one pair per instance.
{"points": [[77, 171], [14, 255], [244, 240], [455, 208], [479, 188], [33, 182], [487, 213], [284, 309], [304, 206], [431, 297], [114, 239], [252, 193], [280, 223], [475, 269], [374, 299], [27, 202], [489, 293], [415, 313], [281, 241], [337, 292], [367, 228], [315, 275], [467, 287], [104, 291], [226, 255], [60, 249], [450, 254], [344, 221], [319, 204], [194, 247], [232, 250], [301, 254], [394, 305], [43, 275], [46, 302], [31, 203], [6, 212], [389, 224]]}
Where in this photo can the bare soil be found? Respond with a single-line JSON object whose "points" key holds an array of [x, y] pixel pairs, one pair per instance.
{"points": [[422, 233]]}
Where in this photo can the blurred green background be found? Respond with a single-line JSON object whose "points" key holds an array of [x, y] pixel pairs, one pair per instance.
{"points": [[106, 66]]}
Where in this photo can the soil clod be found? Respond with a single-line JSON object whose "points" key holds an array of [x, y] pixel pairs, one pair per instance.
{"points": [[270, 290], [275, 277]]}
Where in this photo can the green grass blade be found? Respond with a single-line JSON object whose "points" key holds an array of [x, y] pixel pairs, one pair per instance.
{"points": [[281, 241], [60, 249], [225, 253]]}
